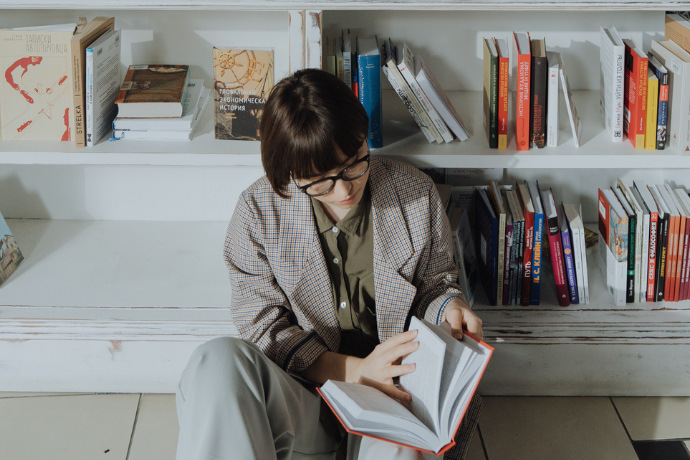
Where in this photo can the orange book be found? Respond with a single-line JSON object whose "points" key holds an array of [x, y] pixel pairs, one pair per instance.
{"points": [[671, 245], [503, 92], [635, 95], [522, 87]]}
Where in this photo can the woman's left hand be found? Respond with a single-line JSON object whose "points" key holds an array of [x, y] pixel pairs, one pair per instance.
{"points": [[460, 317]]}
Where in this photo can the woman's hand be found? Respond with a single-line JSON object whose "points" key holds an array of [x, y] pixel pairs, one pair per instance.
{"points": [[383, 365], [460, 318]]}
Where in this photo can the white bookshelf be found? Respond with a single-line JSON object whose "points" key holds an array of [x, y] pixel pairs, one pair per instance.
{"points": [[123, 273]]}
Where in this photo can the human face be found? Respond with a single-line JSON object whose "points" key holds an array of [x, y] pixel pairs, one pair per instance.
{"points": [[345, 194]]}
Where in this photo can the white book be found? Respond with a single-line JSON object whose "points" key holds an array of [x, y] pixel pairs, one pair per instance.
{"points": [[644, 211], [403, 90], [347, 57], [406, 66], [677, 61], [577, 232], [438, 98], [102, 69], [611, 85], [445, 378], [633, 207], [194, 102], [614, 273], [554, 63], [575, 124]]}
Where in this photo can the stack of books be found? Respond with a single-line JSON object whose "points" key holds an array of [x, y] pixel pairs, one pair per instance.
{"points": [[159, 102], [411, 78], [646, 95], [645, 242]]}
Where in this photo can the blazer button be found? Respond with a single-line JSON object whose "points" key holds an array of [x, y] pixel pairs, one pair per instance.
{"points": [[343, 304]]}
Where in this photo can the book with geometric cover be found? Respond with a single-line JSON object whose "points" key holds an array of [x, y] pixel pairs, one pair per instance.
{"points": [[10, 254], [242, 81], [446, 376], [36, 83]]}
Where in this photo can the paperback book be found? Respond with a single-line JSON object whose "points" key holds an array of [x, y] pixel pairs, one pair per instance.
{"points": [[102, 85], [445, 379], [242, 82]]}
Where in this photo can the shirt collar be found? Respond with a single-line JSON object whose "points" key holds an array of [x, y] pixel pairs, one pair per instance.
{"points": [[351, 223]]}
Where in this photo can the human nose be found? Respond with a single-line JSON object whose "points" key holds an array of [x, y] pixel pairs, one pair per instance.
{"points": [[343, 186]]}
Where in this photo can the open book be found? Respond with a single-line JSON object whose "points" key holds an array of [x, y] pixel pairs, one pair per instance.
{"points": [[446, 377]]}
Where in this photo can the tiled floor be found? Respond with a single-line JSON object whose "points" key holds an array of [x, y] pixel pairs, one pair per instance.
{"points": [[144, 427]]}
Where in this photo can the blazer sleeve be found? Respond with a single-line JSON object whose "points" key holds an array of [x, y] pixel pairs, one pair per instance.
{"points": [[260, 308], [438, 280]]}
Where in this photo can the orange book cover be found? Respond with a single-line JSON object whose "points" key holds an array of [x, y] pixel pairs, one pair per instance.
{"points": [[522, 87], [503, 92], [635, 95], [36, 83]]}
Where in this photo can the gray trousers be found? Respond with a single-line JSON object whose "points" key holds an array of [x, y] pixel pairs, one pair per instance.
{"points": [[235, 403]]}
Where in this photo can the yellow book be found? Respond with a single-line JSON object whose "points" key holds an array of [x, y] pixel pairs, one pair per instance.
{"points": [[652, 107]]}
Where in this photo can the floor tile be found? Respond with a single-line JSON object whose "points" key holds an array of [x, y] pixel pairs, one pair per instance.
{"points": [[564, 428], [476, 451], [84, 427], [155, 434], [648, 418]]}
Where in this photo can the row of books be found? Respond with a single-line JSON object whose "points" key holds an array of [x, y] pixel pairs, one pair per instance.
{"points": [[537, 73], [645, 96], [513, 224], [645, 242], [410, 77]]}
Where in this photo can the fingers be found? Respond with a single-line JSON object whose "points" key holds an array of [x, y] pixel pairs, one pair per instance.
{"points": [[389, 389], [463, 318]]}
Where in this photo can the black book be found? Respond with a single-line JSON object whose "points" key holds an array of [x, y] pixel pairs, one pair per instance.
{"points": [[538, 93], [632, 225]]}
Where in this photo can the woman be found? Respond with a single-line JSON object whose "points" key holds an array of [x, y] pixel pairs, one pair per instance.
{"points": [[330, 254]]}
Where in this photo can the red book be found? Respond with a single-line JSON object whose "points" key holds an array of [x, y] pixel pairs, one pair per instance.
{"points": [[522, 96], [503, 92], [556, 248], [528, 211], [635, 97], [685, 271]]}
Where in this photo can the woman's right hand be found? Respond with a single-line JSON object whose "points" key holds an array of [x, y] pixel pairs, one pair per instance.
{"points": [[384, 364]]}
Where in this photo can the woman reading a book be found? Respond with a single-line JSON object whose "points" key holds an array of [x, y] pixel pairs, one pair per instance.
{"points": [[330, 255]]}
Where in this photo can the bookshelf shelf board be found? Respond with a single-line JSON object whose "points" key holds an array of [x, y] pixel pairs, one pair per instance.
{"points": [[358, 4]]}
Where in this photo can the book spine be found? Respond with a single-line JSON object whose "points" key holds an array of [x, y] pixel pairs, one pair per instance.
{"points": [[679, 257], [618, 94], [369, 70], [652, 111], [518, 251], [89, 106], [552, 103], [630, 278], [491, 97], [503, 95], [651, 265], [535, 286], [78, 130], [570, 270], [636, 97], [537, 111], [507, 262], [522, 103], [662, 239], [685, 271], [557, 262], [662, 110], [671, 259]]}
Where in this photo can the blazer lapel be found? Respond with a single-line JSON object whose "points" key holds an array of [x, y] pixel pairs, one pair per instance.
{"points": [[393, 248]]}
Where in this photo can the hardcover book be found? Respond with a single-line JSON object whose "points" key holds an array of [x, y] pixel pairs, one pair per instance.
{"points": [[638, 249], [650, 204], [528, 212], [612, 81], [552, 93], [102, 85], [652, 110], [445, 379], [613, 247], [490, 92], [155, 90], [518, 250], [664, 242], [84, 36], [662, 74], [10, 254], [635, 101], [569, 256], [538, 81], [522, 72], [242, 81], [677, 28], [645, 217], [36, 83], [577, 233], [486, 234], [680, 251], [677, 61], [369, 76], [501, 212], [575, 124], [503, 91], [630, 295], [684, 200], [674, 235], [556, 248]]}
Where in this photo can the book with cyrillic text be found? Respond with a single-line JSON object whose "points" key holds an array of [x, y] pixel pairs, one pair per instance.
{"points": [[445, 379]]}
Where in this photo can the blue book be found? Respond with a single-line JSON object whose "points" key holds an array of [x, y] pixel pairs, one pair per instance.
{"points": [[486, 229], [369, 87], [535, 288], [568, 256]]}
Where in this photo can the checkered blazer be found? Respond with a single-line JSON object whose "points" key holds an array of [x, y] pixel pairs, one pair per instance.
{"points": [[281, 290]]}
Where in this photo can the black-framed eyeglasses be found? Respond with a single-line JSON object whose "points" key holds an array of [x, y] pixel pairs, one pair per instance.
{"points": [[325, 185]]}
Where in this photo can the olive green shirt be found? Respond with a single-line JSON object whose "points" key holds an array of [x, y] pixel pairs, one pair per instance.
{"points": [[348, 247]]}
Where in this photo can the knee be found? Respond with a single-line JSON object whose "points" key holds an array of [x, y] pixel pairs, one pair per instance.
{"points": [[220, 359]]}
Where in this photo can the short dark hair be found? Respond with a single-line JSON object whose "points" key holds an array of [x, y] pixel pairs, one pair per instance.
{"points": [[309, 118]]}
